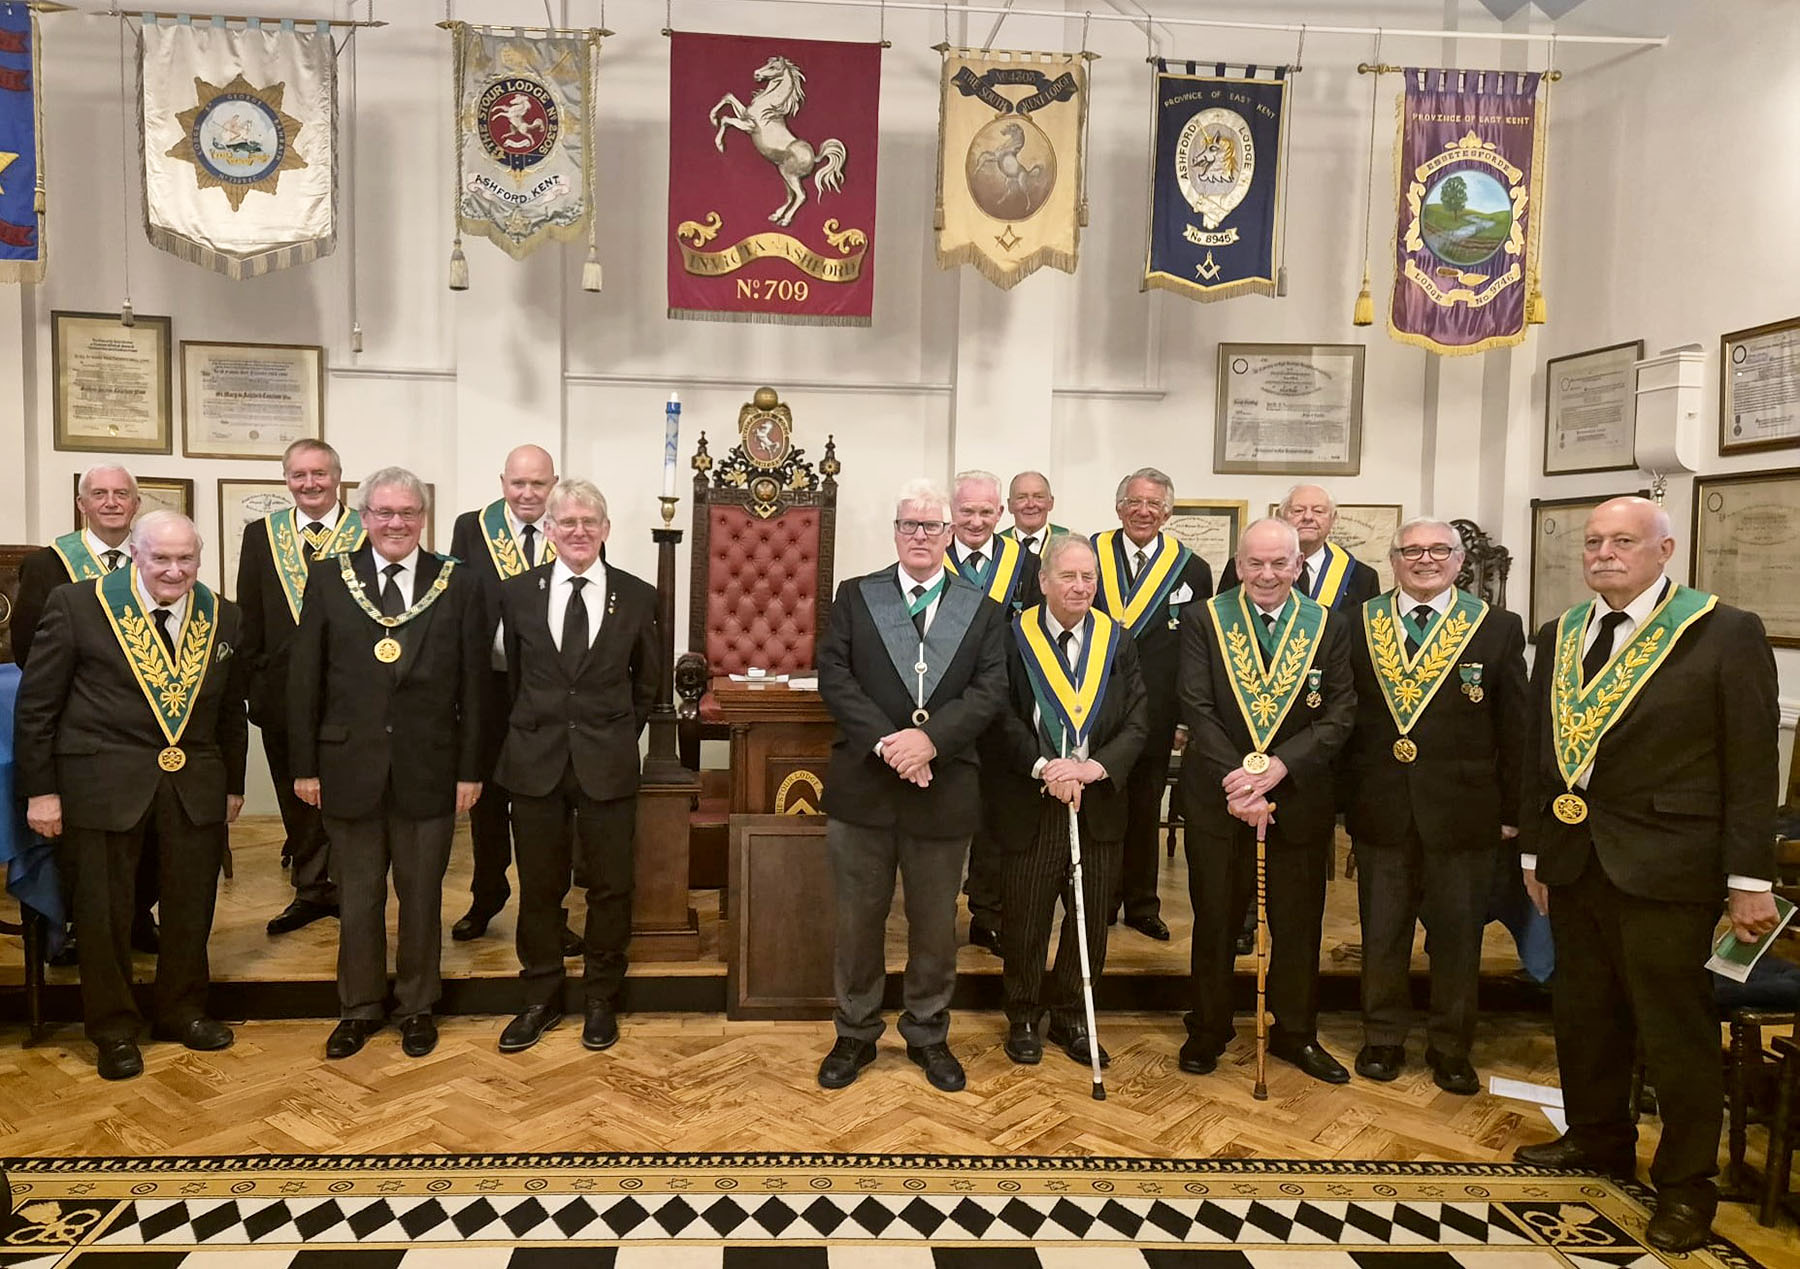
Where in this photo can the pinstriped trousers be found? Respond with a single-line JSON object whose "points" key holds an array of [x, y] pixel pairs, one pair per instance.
{"points": [[1034, 875]]}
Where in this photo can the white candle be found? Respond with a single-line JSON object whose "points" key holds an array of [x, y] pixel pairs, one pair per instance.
{"points": [[671, 442]]}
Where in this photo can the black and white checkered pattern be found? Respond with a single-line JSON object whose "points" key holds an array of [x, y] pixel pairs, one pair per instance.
{"points": [[883, 1256]]}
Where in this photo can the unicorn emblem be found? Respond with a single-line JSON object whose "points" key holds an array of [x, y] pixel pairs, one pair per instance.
{"points": [[765, 119]]}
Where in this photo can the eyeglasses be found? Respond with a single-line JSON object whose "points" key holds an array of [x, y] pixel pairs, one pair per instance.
{"points": [[1437, 551], [406, 515], [930, 528], [1143, 504]]}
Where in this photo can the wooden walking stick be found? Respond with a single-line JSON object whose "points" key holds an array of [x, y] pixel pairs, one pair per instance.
{"points": [[1261, 1091]]}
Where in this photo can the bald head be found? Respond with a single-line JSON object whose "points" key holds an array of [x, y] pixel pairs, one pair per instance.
{"points": [[1625, 549], [526, 482]]}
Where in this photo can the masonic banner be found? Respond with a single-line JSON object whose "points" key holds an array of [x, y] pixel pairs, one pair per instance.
{"points": [[239, 143], [1216, 182], [771, 212], [1011, 177], [21, 148], [1470, 167]]}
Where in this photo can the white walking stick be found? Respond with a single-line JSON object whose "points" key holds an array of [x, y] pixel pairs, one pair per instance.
{"points": [[1087, 973]]}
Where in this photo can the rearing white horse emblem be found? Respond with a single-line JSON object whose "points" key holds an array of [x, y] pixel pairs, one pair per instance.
{"points": [[765, 119]]}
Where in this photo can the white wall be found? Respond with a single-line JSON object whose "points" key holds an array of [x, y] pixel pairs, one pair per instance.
{"points": [[1669, 218]]}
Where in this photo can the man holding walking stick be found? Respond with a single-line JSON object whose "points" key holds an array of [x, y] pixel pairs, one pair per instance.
{"points": [[1075, 722]]}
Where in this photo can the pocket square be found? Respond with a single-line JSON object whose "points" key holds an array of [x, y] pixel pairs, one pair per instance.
{"points": [[223, 652], [1182, 594]]}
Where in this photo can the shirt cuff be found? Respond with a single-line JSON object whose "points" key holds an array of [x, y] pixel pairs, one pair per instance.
{"points": [[1755, 885], [878, 752], [1528, 861], [1038, 767]]}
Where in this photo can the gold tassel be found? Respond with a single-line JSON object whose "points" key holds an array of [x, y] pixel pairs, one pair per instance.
{"points": [[590, 271], [37, 201], [459, 268], [356, 337], [937, 217], [1281, 282], [1536, 312], [1364, 313]]}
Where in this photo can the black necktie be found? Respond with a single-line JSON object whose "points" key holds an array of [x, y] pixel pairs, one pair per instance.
{"points": [[312, 539], [1066, 641], [529, 531], [1596, 657], [975, 561], [575, 627], [1269, 625], [1306, 580], [162, 616], [918, 593], [1421, 617], [392, 605], [1137, 566], [1030, 544], [114, 558]]}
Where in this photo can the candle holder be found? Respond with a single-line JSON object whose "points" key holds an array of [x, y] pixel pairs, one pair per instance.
{"points": [[668, 510]]}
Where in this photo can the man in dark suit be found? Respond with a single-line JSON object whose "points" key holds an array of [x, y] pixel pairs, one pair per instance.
{"points": [[107, 501], [1007, 573], [1083, 665], [582, 656], [1149, 581], [384, 713], [1649, 801], [132, 714], [271, 587], [1329, 574], [502, 540], [1433, 783], [913, 669], [1268, 697]]}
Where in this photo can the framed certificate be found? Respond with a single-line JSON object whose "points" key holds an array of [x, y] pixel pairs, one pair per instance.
{"points": [[249, 400], [242, 502], [1365, 529], [1289, 409], [111, 391], [155, 493], [1759, 388], [1746, 533], [1209, 529], [1590, 410], [1558, 526]]}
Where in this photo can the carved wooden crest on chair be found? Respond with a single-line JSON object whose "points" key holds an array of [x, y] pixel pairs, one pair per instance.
{"points": [[1485, 563]]}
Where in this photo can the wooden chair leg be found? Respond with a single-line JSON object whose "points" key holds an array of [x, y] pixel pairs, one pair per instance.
{"points": [[1781, 1143], [1746, 1044], [33, 923]]}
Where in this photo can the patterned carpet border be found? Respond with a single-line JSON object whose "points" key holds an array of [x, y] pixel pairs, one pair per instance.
{"points": [[199, 1207]]}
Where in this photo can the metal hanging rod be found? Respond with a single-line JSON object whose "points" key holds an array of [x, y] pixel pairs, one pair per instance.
{"points": [[504, 27], [1385, 68], [49, 6], [1140, 19], [174, 15]]}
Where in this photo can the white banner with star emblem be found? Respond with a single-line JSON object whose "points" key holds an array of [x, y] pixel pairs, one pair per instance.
{"points": [[239, 143]]}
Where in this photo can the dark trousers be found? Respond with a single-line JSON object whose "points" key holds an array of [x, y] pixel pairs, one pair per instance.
{"points": [[1630, 977], [569, 831], [986, 881], [362, 852], [106, 867], [1036, 876], [307, 843], [1445, 885], [1144, 789], [490, 824], [1221, 872]]}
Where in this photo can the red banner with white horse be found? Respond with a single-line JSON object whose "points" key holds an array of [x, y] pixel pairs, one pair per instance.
{"points": [[772, 179]]}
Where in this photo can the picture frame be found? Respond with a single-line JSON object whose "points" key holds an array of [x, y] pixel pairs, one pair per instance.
{"points": [[1364, 529], [1759, 388], [156, 493], [241, 503], [1746, 528], [1289, 409], [250, 401], [1557, 582], [112, 391], [1590, 410], [1210, 528]]}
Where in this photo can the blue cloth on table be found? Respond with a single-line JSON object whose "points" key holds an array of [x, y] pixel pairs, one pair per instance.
{"points": [[29, 859]]}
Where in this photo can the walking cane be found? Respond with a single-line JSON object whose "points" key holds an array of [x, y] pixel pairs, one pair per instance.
{"points": [[1087, 973], [1261, 1091]]}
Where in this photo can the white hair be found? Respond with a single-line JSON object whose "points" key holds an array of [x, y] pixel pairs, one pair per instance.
{"points": [[87, 478], [975, 476], [148, 525], [923, 493], [1155, 477], [1287, 499], [1287, 531], [1424, 522], [1057, 546], [391, 478], [573, 489]]}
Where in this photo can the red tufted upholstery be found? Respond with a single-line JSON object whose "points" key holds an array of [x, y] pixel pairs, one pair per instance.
{"points": [[762, 590]]}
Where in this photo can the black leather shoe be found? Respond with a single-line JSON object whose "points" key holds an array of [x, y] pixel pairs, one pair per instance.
{"points": [[600, 1029], [1023, 1044], [1197, 1057], [69, 954], [847, 1057], [348, 1037], [1246, 944], [471, 925], [1153, 926], [144, 936], [571, 943], [418, 1035], [1309, 1057], [202, 1035], [1382, 1062], [942, 1071], [984, 936], [299, 914], [528, 1028], [1566, 1155], [1453, 1074], [119, 1059], [1074, 1040], [1680, 1224]]}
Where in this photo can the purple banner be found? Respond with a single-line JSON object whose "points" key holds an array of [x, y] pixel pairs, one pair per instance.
{"points": [[1471, 165]]}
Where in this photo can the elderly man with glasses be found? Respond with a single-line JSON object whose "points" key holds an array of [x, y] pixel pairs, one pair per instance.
{"points": [[913, 669], [1434, 769]]}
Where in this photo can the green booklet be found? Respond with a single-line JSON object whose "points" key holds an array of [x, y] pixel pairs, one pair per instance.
{"points": [[1735, 959]]}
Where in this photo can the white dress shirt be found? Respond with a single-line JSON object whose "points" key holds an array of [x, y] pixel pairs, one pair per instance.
{"points": [[329, 519], [1151, 550], [1080, 752], [989, 549], [98, 549], [406, 579], [1314, 566], [1033, 542], [906, 590], [177, 609], [593, 595]]}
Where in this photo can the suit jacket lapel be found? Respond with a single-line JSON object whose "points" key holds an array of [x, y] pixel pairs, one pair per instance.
{"points": [[596, 636]]}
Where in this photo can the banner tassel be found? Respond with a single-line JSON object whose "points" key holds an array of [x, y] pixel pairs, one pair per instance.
{"points": [[356, 337], [1536, 311], [590, 271], [1281, 282], [1364, 314], [459, 267], [37, 201]]}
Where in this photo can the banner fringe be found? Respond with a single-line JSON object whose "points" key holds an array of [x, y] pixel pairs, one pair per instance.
{"points": [[24, 271], [1006, 279], [1208, 294], [239, 268], [764, 319]]}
